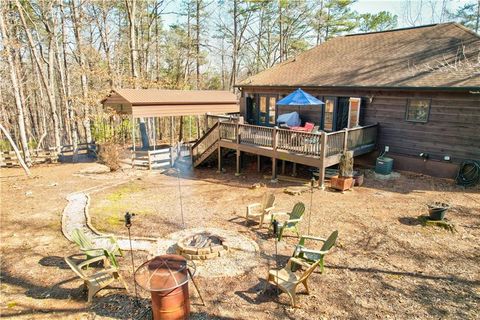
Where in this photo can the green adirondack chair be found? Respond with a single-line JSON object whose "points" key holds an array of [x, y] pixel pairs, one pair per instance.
{"points": [[110, 249], [312, 256], [293, 220], [97, 281]]}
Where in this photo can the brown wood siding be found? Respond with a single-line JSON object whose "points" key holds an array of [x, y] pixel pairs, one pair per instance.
{"points": [[453, 127]]}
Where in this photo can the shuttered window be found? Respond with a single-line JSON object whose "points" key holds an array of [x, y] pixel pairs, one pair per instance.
{"points": [[418, 110]]}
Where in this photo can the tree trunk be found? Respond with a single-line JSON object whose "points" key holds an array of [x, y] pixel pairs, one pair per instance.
{"points": [[15, 149], [45, 82], [18, 100]]}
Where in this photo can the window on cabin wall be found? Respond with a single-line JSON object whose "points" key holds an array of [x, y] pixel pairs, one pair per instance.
{"points": [[418, 110], [329, 112], [272, 110], [263, 109], [354, 112]]}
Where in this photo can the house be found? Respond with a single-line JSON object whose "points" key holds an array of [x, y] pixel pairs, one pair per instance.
{"points": [[421, 85]]}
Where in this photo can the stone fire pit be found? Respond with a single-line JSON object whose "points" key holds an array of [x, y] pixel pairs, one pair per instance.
{"points": [[202, 246]]}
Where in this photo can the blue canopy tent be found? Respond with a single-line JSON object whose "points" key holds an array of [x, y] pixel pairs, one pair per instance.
{"points": [[294, 103]]}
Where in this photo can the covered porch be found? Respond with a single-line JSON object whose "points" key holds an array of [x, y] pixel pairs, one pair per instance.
{"points": [[149, 109]]}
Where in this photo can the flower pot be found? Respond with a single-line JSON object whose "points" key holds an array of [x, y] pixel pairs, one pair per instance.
{"points": [[437, 211], [341, 183], [358, 178]]}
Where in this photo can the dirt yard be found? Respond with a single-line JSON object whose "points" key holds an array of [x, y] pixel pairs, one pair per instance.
{"points": [[385, 264]]}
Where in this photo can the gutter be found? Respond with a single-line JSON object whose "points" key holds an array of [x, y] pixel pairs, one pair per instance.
{"points": [[457, 89]]}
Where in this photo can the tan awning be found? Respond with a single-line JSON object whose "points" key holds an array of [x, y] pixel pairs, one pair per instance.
{"points": [[160, 103]]}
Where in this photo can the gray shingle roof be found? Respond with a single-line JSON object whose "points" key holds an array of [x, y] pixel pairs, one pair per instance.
{"points": [[424, 56]]}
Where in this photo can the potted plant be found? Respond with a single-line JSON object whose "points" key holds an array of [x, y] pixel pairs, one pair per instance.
{"points": [[436, 210], [344, 181]]}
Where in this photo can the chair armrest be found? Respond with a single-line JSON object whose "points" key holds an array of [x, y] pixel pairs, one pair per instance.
{"points": [[280, 214], [253, 205], [90, 261], [299, 262], [269, 209], [313, 238], [313, 251], [293, 220]]}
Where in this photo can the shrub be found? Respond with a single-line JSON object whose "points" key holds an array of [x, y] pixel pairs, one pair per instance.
{"points": [[109, 155]]}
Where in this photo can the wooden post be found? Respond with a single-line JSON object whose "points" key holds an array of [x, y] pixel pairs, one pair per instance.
{"points": [[294, 170], [259, 164], [219, 159], [274, 156], [345, 140], [154, 133], [283, 166], [323, 152], [237, 141], [149, 160], [133, 133], [171, 141]]}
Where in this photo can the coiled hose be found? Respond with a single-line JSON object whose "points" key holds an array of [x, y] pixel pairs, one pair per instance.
{"points": [[468, 173]]}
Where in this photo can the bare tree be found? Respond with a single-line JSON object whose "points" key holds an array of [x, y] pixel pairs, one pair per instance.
{"points": [[16, 92]]}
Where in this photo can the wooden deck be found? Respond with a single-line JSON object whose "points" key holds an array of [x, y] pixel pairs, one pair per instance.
{"points": [[316, 150]]}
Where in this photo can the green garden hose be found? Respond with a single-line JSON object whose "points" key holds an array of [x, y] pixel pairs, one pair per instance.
{"points": [[468, 173]]}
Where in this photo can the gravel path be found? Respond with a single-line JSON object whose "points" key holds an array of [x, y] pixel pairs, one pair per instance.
{"points": [[243, 252], [75, 216]]}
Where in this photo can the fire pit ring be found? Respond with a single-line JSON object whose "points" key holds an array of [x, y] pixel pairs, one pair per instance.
{"points": [[202, 246]]}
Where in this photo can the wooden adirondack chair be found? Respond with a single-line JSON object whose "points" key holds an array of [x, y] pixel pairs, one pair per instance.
{"points": [[110, 250], [312, 256], [261, 211], [293, 220], [287, 280], [97, 281]]}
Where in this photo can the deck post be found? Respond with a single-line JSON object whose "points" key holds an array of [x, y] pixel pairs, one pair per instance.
{"points": [[219, 159], [321, 170], [283, 166], [237, 141], [171, 141], [345, 140], [259, 164], [274, 155], [294, 170]]}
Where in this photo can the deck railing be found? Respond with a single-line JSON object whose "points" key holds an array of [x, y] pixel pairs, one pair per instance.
{"points": [[318, 145], [212, 119], [256, 135], [299, 142], [205, 142]]}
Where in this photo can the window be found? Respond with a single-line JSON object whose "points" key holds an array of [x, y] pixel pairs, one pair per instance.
{"points": [[271, 110], [263, 108], [329, 108], [354, 112], [417, 110]]}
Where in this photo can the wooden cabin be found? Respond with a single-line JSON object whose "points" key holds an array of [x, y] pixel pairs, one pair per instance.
{"points": [[421, 85]]}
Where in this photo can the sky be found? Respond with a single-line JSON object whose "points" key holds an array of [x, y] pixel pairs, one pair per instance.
{"points": [[398, 7]]}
